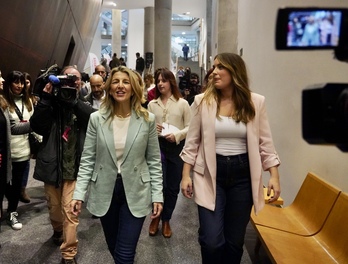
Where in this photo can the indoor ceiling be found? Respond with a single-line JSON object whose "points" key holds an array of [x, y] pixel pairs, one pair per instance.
{"points": [[195, 7]]}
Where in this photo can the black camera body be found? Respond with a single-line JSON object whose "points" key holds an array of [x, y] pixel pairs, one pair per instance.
{"points": [[324, 107], [325, 115], [64, 89]]}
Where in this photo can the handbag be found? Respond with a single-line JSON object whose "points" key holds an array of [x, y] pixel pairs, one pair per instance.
{"points": [[35, 140]]}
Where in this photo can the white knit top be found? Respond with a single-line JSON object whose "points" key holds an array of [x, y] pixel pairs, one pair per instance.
{"points": [[120, 126]]}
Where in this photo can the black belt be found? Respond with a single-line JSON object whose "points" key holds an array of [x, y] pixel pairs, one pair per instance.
{"points": [[233, 157]]}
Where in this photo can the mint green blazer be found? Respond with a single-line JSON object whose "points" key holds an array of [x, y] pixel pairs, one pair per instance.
{"points": [[141, 167]]}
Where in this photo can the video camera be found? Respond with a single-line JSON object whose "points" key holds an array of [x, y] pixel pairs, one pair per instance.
{"points": [[324, 107], [64, 88]]}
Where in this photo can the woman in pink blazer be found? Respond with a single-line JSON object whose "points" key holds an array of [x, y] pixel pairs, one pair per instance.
{"points": [[228, 144]]}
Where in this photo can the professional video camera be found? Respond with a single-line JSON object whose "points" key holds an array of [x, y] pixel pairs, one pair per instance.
{"points": [[64, 88], [324, 107]]}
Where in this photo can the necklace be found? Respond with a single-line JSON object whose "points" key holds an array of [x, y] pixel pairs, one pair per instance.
{"points": [[122, 117]]}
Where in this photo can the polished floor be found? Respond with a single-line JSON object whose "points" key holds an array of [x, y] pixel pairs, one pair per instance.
{"points": [[32, 244]]}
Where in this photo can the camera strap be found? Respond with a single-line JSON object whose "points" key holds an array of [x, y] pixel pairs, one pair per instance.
{"points": [[18, 112]]}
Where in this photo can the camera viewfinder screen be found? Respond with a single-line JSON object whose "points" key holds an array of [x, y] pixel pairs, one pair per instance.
{"points": [[320, 28]]}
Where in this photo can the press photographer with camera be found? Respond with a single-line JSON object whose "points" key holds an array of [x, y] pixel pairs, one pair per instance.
{"points": [[61, 117]]}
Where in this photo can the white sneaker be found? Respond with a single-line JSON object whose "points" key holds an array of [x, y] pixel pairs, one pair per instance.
{"points": [[13, 222]]}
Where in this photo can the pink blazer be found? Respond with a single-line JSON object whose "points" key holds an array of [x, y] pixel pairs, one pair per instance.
{"points": [[199, 151]]}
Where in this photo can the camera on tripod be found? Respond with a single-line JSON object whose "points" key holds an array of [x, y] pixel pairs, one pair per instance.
{"points": [[324, 106], [64, 87]]}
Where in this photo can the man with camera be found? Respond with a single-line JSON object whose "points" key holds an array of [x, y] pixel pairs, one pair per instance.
{"points": [[61, 117]]}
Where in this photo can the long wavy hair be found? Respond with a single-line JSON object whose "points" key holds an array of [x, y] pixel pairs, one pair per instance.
{"points": [[3, 102], [167, 75], [241, 94], [109, 103], [12, 77]]}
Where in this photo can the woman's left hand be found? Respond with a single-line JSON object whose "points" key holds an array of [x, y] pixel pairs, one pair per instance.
{"points": [[274, 184], [156, 210]]}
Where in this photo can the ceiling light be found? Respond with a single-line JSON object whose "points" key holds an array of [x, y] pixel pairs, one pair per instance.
{"points": [[114, 4], [183, 33]]}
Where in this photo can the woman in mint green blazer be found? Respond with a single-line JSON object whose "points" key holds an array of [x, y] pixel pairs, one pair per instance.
{"points": [[121, 165]]}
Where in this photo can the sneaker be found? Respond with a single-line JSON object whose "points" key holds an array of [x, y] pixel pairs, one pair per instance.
{"points": [[68, 261], [57, 238], [13, 222]]}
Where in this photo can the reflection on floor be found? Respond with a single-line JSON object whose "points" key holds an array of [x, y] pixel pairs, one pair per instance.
{"points": [[32, 244]]}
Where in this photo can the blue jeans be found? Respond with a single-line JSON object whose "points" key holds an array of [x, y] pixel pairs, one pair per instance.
{"points": [[221, 232], [121, 228], [172, 166]]}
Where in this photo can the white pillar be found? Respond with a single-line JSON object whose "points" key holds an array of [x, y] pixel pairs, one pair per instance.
{"points": [[135, 35], [116, 32]]}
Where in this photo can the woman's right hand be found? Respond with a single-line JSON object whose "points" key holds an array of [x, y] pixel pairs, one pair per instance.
{"points": [[186, 185], [186, 181]]}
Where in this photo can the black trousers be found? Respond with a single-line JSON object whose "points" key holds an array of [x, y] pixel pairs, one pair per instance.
{"points": [[13, 188]]}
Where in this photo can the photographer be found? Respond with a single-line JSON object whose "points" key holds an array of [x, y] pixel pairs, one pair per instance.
{"points": [[61, 117]]}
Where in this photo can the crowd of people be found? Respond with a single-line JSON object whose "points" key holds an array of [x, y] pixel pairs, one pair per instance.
{"points": [[167, 133]]}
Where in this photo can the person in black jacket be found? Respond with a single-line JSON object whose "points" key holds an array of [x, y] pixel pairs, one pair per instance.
{"points": [[62, 121], [139, 64]]}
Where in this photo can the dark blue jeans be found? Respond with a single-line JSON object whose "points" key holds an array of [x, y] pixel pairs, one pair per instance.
{"points": [[172, 166], [221, 232], [121, 228]]}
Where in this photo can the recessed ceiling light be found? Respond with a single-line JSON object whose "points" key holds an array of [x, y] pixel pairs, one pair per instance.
{"points": [[183, 33]]}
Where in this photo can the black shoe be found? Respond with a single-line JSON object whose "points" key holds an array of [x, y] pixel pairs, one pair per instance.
{"points": [[69, 261], [57, 238]]}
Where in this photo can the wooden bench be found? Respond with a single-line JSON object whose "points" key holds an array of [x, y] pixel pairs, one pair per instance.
{"points": [[329, 245], [308, 212]]}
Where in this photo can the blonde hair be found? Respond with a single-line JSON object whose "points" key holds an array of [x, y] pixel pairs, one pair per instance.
{"points": [[241, 94], [136, 99]]}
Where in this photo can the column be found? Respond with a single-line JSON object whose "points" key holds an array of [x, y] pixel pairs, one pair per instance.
{"points": [[116, 32], [135, 35], [149, 34], [227, 26], [209, 29], [163, 25]]}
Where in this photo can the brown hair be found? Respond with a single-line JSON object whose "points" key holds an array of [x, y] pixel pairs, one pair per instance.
{"points": [[241, 94], [3, 102], [167, 75]]}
